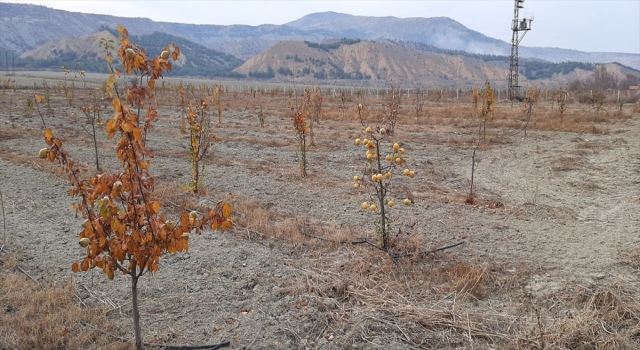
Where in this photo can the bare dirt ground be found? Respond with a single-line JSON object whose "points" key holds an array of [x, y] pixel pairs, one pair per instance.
{"points": [[544, 262]]}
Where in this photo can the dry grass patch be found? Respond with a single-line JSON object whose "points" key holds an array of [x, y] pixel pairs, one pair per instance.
{"points": [[48, 317], [20, 132], [267, 142], [601, 317], [567, 163], [266, 222], [631, 258], [439, 301], [33, 162], [423, 302], [466, 279]]}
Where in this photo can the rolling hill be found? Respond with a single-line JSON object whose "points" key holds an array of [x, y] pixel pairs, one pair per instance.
{"points": [[368, 60], [25, 27], [86, 53], [380, 61]]}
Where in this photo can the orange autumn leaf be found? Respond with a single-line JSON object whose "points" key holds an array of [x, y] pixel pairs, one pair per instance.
{"points": [[116, 225], [48, 136], [111, 127], [127, 127], [226, 210], [139, 60], [116, 104], [153, 207], [38, 98], [227, 224], [85, 265], [110, 83], [137, 134]]}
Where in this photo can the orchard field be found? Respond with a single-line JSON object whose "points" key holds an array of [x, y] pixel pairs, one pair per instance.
{"points": [[548, 256]]}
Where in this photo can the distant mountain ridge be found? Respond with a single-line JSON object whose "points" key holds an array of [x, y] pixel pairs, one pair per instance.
{"points": [[441, 32], [86, 53], [25, 27]]}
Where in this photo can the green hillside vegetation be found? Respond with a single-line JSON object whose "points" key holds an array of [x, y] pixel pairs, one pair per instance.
{"points": [[542, 70], [262, 75], [332, 45], [89, 62], [532, 69]]}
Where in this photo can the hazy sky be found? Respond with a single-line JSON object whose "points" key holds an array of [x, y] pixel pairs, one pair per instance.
{"points": [[599, 25]]}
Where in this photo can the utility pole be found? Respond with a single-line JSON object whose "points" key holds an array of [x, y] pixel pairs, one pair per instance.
{"points": [[517, 26]]}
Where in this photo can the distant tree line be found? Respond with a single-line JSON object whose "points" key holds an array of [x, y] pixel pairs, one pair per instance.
{"points": [[332, 45], [70, 60], [602, 79], [263, 75], [541, 70]]}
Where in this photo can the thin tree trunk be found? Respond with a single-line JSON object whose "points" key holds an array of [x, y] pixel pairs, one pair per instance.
{"points": [[473, 168], [383, 219], [136, 311], [303, 149], [196, 177], [95, 143], [381, 198]]}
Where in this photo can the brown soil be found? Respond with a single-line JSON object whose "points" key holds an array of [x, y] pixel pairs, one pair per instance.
{"points": [[544, 263]]}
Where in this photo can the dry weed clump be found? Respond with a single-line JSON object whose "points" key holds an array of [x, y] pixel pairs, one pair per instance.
{"points": [[7, 133], [28, 160], [577, 121], [274, 142], [443, 302], [467, 279], [413, 302], [567, 163], [632, 258], [602, 317], [265, 222], [48, 317]]}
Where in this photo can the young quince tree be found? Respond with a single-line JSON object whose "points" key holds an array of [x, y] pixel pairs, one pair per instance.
{"points": [[383, 162], [562, 97], [299, 118], [201, 138], [125, 230], [488, 107]]}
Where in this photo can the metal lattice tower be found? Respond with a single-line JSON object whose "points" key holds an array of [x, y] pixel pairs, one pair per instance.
{"points": [[517, 26]]}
